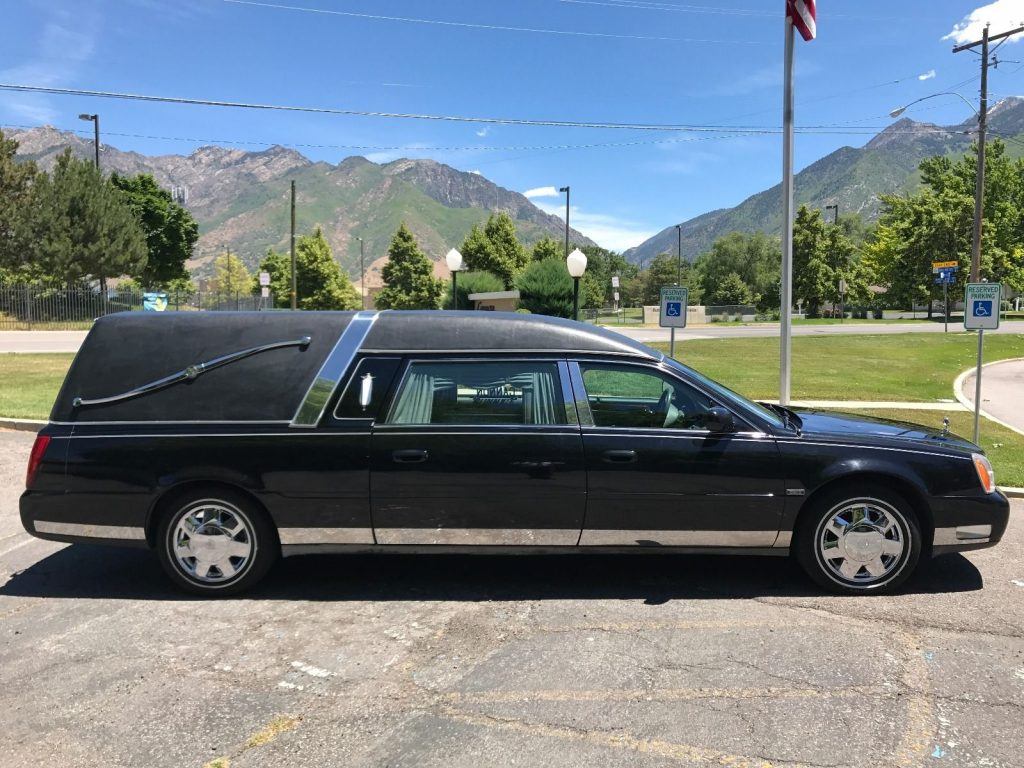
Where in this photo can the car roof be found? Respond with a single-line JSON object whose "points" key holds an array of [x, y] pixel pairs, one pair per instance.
{"points": [[479, 331]]}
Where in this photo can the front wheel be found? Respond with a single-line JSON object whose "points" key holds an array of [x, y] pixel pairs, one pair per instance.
{"points": [[859, 540], [215, 542]]}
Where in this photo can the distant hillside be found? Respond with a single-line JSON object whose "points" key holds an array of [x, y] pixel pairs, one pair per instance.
{"points": [[853, 178], [240, 198]]}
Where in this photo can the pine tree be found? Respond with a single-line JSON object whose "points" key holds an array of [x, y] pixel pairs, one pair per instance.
{"points": [[495, 249], [321, 283], [15, 195], [409, 281]]}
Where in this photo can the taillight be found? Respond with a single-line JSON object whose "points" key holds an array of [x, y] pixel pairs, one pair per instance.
{"points": [[986, 475], [35, 459]]}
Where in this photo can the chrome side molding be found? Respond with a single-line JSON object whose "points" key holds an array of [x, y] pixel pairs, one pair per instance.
{"points": [[188, 374], [326, 381]]}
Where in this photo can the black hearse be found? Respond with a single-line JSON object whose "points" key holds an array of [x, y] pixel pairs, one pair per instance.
{"points": [[224, 440]]}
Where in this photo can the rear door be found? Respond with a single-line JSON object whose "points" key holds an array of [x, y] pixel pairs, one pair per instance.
{"points": [[479, 452], [657, 476]]}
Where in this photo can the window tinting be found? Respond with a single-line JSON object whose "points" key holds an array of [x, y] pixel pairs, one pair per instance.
{"points": [[382, 371], [629, 396], [520, 392]]}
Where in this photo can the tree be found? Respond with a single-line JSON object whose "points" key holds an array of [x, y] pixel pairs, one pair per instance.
{"points": [[495, 249], [547, 248], [545, 288], [731, 290], [81, 226], [15, 200], [320, 282], [409, 281], [664, 270], [171, 232], [602, 265], [472, 282], [230, 277], [279, 266], [756, 258], [813, 277]]}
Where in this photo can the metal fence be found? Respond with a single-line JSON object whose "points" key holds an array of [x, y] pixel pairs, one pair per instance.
{"points": [[27, 306], [609, 316]]}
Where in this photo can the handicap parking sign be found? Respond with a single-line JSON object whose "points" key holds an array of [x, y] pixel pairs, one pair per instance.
{"points": [[673, 309], [981, 301], [673, 306]]}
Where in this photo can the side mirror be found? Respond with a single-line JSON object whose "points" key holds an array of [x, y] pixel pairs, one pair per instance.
{"points": [[365, 391], [719, 419]]}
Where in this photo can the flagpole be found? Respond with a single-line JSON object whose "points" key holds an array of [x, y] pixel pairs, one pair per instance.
{"points": [[787, 222]]}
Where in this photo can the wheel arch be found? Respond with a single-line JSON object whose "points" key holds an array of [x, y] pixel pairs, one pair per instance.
{"points": [[902, 485], [165, 502]]}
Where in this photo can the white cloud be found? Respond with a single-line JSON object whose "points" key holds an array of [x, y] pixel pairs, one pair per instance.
{"points": [[927, 75], [541, 192], [483, 132], [607, 231], [476, 172], [1002, 15]]}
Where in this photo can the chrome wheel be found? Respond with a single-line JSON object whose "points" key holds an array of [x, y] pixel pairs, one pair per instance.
{"points": [[212, 542], [862, 542]]}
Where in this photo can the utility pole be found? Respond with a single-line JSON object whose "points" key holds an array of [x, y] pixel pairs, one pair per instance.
{"points": [[979, 188], [566, 190], [786, 303], [295, 295], [362, 272]]}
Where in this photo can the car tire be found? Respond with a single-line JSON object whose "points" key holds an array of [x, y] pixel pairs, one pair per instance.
{"points": [[856, 540], [216, 542]]}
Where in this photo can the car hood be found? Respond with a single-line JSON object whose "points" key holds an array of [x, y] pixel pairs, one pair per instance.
{"points": [[856, 427]]}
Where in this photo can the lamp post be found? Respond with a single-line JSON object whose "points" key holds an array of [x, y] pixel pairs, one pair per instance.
{"points": [[362, 272], [576, 263], [566, 190], [95, 120], [454, 261]]}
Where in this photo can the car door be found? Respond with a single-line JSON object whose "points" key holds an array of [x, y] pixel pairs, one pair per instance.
{"points": [[479, 452], [658, 476]]}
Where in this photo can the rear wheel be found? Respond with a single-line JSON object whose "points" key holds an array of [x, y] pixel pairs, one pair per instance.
{"points": [[859, 540], [215, 542]]}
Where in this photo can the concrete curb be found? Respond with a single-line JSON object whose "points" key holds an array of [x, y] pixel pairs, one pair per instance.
{"points": [[1013, 493], [22, 425], [958, 386]]}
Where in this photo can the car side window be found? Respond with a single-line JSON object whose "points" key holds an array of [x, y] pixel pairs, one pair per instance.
{"points": [[633, 396], [480, 393]]}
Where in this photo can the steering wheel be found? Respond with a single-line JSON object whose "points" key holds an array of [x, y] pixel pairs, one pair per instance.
{"points": [[661, 414]]}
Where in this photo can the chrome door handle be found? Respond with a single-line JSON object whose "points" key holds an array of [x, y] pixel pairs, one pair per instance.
{"points": [[619, 457], [409, 456]]}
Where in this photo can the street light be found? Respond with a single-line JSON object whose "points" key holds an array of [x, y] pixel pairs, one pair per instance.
{"points": [[576, 263], [566, 190], [454, 261], [95, 120], [362, 272], [900, 110]]}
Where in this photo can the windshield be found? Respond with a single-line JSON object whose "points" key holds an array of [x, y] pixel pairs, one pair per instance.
{"points": [[768, 415]]}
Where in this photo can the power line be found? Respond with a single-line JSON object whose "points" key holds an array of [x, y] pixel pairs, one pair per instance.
{"points": [[660, 127], [493, 27]]}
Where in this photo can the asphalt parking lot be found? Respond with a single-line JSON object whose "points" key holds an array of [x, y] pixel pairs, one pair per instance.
{"points": [[491, 661]]}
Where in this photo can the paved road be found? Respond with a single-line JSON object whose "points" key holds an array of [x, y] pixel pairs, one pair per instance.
{"points": [[462, 662], [69, 341], [647, 335], [1002, 391]]}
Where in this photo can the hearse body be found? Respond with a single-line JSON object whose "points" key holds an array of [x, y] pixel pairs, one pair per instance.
{"points": [[224, 440]]}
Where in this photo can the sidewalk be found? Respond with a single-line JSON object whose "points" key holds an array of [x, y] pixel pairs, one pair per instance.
{"points": [[1002, 392]]}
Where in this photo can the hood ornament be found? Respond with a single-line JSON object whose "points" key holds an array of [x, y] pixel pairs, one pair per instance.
{"points": [[945, 426]]}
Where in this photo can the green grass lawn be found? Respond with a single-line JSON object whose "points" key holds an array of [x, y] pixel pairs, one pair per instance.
{"points": [[908, 367], [1004, 447], [29, 383]]}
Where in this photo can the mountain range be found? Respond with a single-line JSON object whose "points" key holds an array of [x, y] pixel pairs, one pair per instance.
{"points": [[852, 178], [240, 199]]}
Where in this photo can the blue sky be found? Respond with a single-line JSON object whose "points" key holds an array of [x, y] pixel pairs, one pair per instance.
{"points": [[656, 61]]}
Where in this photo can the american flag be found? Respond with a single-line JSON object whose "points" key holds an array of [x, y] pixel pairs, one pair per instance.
{"points": [[802, 13]]}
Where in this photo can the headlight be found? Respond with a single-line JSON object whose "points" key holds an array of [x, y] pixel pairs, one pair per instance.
{"points": [[986, 476]]}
